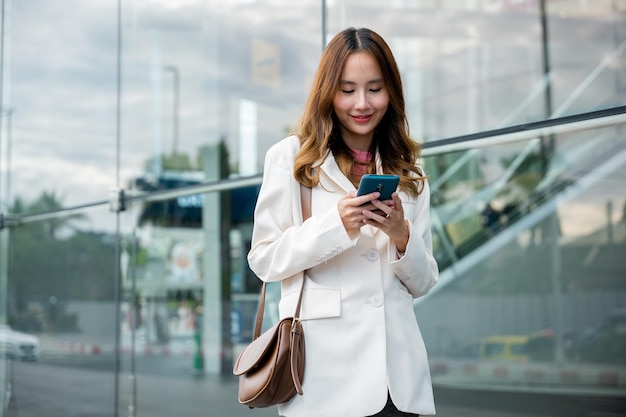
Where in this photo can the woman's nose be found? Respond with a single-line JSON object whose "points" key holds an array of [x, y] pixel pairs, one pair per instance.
{"points": [[361, 101]]}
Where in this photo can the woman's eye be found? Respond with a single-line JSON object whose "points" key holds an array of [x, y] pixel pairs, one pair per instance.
{"points": [[375, 90], [347, 91]]}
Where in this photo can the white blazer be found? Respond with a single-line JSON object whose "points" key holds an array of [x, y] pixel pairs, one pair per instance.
{"points": [[361, 335]]}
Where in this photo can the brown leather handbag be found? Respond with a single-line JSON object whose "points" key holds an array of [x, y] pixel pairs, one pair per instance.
{"points": [[271, 367]]}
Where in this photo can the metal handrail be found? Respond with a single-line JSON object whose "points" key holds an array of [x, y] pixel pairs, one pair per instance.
{"points": [[568, 124]]}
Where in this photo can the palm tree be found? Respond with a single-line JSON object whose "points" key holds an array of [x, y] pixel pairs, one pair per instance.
{"points": [[48, 202]]}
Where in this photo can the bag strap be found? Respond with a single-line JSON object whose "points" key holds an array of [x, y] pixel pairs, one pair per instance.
{"points": [[305, 202]]}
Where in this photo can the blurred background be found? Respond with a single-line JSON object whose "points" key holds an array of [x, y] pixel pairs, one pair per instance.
{"points": [[132, 139]]}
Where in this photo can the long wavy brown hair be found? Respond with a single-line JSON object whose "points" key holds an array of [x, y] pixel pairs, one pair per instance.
{"points": [[319, 130]]}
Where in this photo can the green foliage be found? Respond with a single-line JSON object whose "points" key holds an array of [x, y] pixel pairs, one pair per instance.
{"points": [[177, 162], [171, 162], [78, 266], [138, 254], [47, 202]]}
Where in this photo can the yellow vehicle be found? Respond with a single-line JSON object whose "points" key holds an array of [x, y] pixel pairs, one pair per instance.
{"points": [[503, 348]]}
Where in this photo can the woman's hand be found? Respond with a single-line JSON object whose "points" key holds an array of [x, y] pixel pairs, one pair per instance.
{"points": [[352, 209], [388, 216]]}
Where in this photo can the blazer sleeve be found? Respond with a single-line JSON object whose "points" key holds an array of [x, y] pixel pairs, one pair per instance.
{"points": [[418, 269], [282, 245]]}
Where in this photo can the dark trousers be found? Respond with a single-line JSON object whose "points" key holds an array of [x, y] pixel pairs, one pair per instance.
{"points": [[390, 410]]}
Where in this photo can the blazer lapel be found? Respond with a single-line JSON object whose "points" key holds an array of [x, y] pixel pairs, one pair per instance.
{"points": [[331, 177]]}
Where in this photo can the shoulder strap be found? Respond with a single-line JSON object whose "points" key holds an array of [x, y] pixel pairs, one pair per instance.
{"points": [[305, 202]]}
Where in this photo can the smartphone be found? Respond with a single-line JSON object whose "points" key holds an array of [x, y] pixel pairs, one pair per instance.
{"points": [[384, 184]]}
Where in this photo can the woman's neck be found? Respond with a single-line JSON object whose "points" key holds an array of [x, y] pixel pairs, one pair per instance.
{"points": [[360, 143]]}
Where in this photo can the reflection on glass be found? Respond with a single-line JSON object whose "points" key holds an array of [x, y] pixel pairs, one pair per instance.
{"points": [[536, 240], [61, 312], [529, 236]]}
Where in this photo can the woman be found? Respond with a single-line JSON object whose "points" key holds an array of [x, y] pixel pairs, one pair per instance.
{"points": [[365, 259]]}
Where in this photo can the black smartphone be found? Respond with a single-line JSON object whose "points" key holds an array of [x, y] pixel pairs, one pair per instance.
{"points": [[384, 184]]}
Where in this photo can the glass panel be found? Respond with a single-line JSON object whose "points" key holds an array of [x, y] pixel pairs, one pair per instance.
{"points": [[200, 73], [211, 87], [60, 298], [484, 191], [189, 300], [6, 377], [528, 235], [60, 100], [532, 295], [469, 66]]}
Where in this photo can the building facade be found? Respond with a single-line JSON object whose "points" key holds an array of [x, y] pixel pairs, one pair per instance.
{"points": [[132, 139]]}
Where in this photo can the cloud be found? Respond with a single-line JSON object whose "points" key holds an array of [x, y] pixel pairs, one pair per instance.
{"points": [[63, 85]]}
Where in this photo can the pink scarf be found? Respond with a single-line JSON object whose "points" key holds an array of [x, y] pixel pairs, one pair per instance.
{"points": [[362, 159]]}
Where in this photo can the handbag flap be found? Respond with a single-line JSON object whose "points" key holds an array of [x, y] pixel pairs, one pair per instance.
{"points": [[254, 352]]}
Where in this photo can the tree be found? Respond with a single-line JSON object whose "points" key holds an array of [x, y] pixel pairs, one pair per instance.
{"points": [[45, 265], [47, 202]]}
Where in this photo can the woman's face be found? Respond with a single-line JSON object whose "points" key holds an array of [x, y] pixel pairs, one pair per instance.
{"points": [[361, 101]]}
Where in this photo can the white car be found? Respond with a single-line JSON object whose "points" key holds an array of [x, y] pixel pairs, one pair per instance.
{"points": [[18, 345]]}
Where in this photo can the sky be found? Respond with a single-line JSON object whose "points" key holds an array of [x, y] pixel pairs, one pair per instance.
{"points": [[61, 81]]}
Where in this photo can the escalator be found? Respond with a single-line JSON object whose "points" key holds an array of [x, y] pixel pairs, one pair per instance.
{"points": [[479, 213], [530, 236]]}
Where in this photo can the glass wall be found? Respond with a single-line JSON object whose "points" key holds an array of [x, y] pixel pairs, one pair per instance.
{"points": [[534, 296], [132, 138]]}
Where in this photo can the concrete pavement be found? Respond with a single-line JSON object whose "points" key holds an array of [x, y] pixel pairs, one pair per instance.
{"points": [[47, 390]]}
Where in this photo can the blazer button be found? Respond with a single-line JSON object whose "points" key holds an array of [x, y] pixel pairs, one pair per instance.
{"points": [[375, 300], [372, 255]]}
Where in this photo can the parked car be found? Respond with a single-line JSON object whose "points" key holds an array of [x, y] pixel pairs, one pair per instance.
{"points": [[509, 348], [18, 345], [541, 345], [504, 348], [606, 344]]}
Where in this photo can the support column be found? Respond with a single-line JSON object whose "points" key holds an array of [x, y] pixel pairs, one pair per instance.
{"points": [[216, 337]]}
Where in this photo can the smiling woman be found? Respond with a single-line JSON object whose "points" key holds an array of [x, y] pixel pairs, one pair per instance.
{"points": [[374, 257], [361, 101]]}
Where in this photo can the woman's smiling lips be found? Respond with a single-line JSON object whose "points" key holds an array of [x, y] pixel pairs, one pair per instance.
{"points": [[362, 119]]}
